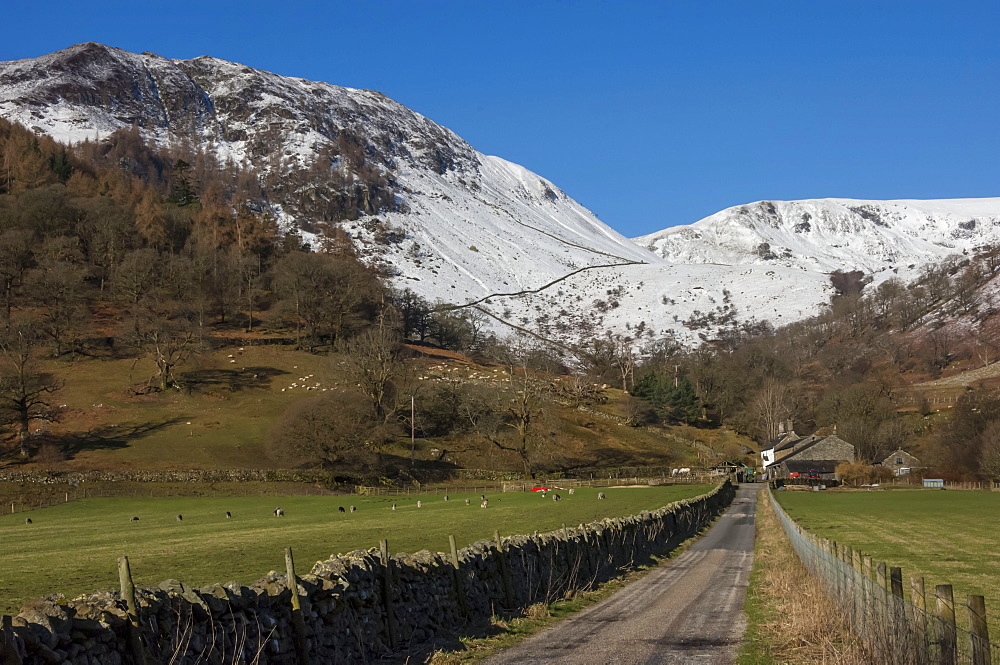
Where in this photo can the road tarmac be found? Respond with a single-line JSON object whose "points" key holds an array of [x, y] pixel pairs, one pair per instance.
{"points": [[689, 610]]}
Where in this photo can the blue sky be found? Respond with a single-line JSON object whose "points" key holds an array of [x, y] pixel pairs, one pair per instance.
{"points": [[649, 113]]}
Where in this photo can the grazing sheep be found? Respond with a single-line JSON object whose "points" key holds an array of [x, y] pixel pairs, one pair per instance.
{"points": [[483, 497], [180, 518], [278, 512], [133, 519], [352, 509], [600, 495], [445, 497], [419, 504], [556, 497], [572, 490], [341, 509], [229, 515], [394, 506], [27, 521], [468, 502], [484, 503]]}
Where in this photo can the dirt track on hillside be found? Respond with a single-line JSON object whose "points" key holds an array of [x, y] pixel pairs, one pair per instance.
{"points": [[687, 611]]}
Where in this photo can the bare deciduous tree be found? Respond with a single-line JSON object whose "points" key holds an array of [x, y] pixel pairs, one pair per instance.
{"points": [[373, 362], [773, 405], [24, 388]]}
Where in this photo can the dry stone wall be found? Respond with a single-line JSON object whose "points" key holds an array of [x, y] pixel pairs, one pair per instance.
{"points": [[355, 607]]}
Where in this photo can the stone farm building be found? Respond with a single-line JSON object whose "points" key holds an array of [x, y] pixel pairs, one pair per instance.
{"points": [[791, 455], [901, 463]]}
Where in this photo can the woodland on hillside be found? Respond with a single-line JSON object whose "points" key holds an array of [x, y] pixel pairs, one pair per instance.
{"points": [[117, 249]]}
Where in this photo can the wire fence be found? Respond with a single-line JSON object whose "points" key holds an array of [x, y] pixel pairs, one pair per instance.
{"points": [[897, 626]]}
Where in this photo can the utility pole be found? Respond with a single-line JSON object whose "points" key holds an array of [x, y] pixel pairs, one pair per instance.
{"points": [[413, 432]]}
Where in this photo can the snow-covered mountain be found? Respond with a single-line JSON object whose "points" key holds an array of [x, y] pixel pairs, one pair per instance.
{"points": [[458, 226], [466, 225], [881, 238]]}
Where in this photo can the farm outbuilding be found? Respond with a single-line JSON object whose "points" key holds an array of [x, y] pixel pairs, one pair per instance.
{"points": [[901, 463]]}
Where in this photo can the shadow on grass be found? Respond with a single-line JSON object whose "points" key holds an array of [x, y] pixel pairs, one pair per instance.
{"points": [[233, 380], [106, 437]]}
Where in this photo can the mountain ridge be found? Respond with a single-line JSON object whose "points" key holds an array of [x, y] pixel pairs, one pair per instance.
{"points": [[834, 234], [457, 226]]}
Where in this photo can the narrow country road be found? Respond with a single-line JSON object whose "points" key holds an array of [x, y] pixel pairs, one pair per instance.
{"points": [[687, 611]]}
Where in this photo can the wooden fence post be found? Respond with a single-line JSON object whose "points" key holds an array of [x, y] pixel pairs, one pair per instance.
{"points": [[390, 614], [459, 582], [852, 569], [867, 596], [897, 608], [508, 588], [979, 634], [946, 623], [919, 598], [298, 621], [128, 595], [882, 618], [858, 590]]}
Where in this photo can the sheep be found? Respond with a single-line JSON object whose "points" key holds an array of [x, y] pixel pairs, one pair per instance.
{"points": [[394, 506], [556, 497], [468, 502], [419, 503], [572, 490], [352, 509], [180, 518], [341, 509], [483, 497], [445, 497], [278, 512], [27, 521], [600, 495], [484, 503], [229, 515], [133, 519]]}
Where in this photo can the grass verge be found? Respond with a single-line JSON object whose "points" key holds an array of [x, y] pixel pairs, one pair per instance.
{"points": [[790, 621]]}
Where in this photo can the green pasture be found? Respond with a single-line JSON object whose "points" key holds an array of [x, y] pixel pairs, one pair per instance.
{"points": [[72, 548], [947, 537]]}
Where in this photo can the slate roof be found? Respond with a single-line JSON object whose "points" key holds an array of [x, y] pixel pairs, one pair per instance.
{"points": [[781, 440]]}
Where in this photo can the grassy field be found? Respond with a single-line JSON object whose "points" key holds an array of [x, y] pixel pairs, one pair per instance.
{"points": [[72, 548], [948, 537]]}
